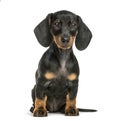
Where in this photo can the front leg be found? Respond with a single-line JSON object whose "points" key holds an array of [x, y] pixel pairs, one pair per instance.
{"points": [[40, 107], [40, 93], [40, 101], [70, 108]]}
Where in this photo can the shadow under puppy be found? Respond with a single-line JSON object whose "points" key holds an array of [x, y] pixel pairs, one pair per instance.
{"points": [[58, 71]]}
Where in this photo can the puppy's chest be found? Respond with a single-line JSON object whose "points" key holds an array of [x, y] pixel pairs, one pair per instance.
{"points": [[63, 71]]}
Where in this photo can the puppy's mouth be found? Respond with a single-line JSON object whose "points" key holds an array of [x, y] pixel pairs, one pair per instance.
{"points": [[63, 44], [64, 47]]}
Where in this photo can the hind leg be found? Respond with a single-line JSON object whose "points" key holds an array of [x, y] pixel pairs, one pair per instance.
{"points": [[33, 98], [33, 93]]}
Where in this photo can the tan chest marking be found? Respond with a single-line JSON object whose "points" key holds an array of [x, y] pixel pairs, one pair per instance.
{"points": [[72, 76], [49, 75]]}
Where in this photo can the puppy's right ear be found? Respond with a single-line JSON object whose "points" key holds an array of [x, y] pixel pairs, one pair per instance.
{"points": [[42, 31]]}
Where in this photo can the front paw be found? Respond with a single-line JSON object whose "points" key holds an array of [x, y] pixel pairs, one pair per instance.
{"points": [[40, 112], [71, 111]]}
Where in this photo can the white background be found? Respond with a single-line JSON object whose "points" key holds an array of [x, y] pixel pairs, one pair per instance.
{"points": [[20, 53]]}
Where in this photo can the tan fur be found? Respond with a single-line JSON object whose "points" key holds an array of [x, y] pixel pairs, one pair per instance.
{"points": [[40, 103], [72, 77], [70, 103], [49, 75], [57, 40]]}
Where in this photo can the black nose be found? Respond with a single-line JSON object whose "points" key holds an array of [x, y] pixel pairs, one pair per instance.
{"points": [[65, 39]]}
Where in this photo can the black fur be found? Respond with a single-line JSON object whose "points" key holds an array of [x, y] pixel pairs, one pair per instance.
{"points": [[42, 32], [83, 37], [54, 58]]}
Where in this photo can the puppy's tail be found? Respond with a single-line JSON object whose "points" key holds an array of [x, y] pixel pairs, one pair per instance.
{"points": [[87, 110]]}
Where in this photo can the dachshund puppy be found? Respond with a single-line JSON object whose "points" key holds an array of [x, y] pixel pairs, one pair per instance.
{"points": [[58, 71]]}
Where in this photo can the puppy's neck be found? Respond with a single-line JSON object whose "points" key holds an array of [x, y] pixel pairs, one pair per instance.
{"points": [[63, 54]]}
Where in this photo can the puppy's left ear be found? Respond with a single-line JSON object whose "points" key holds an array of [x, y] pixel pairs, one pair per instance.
{"points": [[84, 35], [42, 31]]}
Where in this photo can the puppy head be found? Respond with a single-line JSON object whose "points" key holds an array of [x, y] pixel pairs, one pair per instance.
{"points": [[63, 28]]}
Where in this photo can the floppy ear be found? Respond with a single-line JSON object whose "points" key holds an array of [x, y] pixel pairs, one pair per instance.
{"points": [[84, 35], [42, 31]]}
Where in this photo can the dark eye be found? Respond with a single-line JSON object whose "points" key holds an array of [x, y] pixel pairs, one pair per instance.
{"points": [[57, 22], [73, 24], [73, 28]]}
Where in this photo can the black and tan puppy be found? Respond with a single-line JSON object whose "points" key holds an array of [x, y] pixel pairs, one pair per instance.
{"points": [[58, 71]]}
